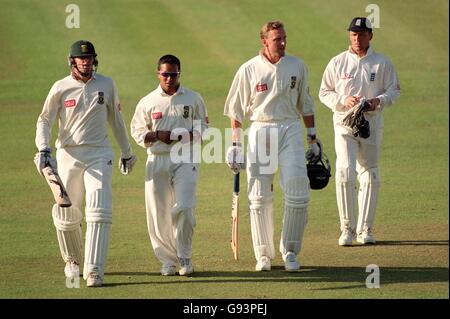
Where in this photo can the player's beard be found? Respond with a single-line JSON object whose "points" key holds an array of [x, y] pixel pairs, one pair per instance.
{"points": [[82, 76]]}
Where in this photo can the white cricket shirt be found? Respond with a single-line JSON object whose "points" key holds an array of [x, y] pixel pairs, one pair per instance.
{"points": [[83, 111], [370, 76], [267, 92], [159, 111]]}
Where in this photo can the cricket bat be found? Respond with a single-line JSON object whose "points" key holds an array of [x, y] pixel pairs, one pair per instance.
{"points": [[235, 218], [56, 186]]}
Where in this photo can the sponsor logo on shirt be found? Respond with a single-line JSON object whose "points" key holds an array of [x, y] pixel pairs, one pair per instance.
{"points": [[70, 103], [157, 115], [372, 76], [347, 76], [261, 87]]}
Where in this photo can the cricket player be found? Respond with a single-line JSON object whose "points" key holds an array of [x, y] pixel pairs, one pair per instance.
{"points": [[170, 116], [271, 90], [83, 103], [356, 74]]}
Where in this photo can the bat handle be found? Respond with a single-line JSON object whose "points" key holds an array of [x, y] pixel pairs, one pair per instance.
{"points": [[236, 183]]}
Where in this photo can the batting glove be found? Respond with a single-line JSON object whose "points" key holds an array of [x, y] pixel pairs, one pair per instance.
{"points": [[235, 158], [314, 152], [126, 164], [43, 159]]}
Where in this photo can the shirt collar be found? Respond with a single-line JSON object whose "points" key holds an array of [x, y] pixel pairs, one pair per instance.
{"points": [[263, 57], [369, 52], [93, 78], [178, 92]]}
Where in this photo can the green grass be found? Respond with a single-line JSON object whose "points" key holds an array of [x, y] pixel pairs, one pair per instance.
{"points": [[213, 38]]}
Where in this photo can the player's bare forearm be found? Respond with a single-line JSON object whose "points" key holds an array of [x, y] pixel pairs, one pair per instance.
{"points": [[163, 136], [308, 120], [236, 128]]}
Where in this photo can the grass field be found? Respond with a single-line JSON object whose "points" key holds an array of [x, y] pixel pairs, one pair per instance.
{"points": [[213, 38]]}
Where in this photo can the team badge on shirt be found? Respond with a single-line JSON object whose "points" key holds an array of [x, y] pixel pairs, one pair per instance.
{"points": [[101, 97], [293, 81], [186, 111], [70, 103], [261, 87]]}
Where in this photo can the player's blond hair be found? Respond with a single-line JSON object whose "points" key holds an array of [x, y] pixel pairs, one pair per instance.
{"points": [[269, 26]]}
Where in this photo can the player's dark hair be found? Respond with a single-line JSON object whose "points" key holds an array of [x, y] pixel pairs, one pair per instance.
{"points": [[169, 59]]}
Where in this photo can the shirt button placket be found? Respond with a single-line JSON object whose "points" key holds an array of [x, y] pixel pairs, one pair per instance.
{"points": [[85, 94]]}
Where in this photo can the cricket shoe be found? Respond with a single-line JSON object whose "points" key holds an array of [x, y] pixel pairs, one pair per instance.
{"points": [[263, 264], [366, 237], [94, 280], [346, 238], [168, 270], [290, 262], [186, 267], [72, 269]]}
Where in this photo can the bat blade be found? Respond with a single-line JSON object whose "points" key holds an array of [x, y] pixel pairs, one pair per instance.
{"points": [[57, 187], [235, 218]]}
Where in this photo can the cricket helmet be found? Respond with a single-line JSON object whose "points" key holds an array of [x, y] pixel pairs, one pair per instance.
{"points": [[82, 48], [319, 172]]}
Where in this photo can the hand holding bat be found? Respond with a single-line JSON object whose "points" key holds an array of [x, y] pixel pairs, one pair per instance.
{"points": [[46, 166]]}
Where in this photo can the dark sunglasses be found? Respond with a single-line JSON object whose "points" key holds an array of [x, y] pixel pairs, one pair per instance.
{"points": [[171, 74]]}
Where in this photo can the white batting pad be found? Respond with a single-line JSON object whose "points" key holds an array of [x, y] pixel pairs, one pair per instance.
{"points": [[96, 243], [295, 214], [261, 217], [369, 186], [346, 198], [67, 221], [261, 221], [294, 224]]}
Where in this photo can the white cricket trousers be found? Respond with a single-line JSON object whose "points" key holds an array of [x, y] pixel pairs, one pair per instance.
{"points": [[86, 171], [170, 198], [273, 145], [357, 160]]}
